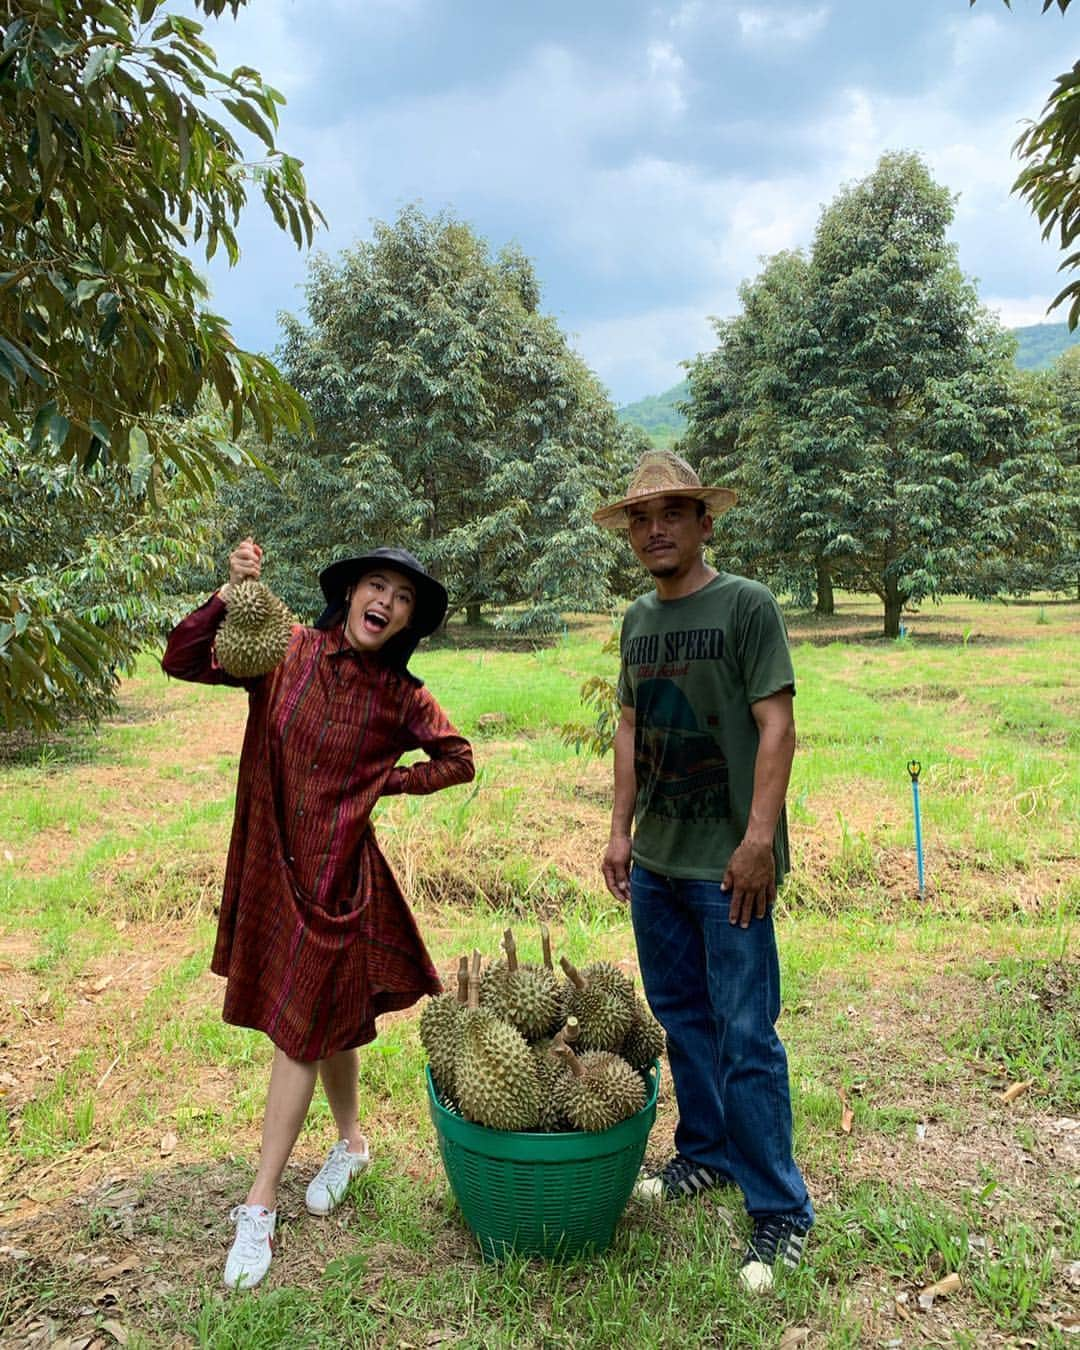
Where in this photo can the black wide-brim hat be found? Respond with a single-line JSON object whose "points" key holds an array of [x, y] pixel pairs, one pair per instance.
{"points": [[431, 597]]}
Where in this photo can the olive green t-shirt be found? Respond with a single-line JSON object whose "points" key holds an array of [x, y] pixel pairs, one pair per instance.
{"points": [[690, 669]]}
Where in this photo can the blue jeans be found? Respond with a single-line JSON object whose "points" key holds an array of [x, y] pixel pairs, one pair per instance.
{"points": [[715, 989]]}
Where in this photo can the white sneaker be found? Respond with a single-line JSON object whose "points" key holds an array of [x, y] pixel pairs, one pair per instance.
{"points": [[249, 1258], [328, 1187]]}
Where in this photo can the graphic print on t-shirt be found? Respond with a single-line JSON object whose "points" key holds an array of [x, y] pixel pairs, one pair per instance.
{"points": [[681, 772]]}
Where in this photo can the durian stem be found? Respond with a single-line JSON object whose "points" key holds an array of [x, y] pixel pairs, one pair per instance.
{"points": [[572, 973], [571, 1059], [463, 980], [545, 943], [474, 982], [510, 947], [568, 1034]]}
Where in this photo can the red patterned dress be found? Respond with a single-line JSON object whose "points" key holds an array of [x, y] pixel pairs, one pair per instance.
{"points": [[314, 937]]}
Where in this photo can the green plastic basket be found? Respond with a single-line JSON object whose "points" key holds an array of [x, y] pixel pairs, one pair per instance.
{"points": [[552, 1195]]}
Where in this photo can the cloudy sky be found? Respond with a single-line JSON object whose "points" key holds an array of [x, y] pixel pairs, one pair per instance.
{"points": [[644, 155]]}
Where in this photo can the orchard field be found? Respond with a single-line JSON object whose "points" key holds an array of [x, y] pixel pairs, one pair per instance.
{"points": [[129, 1113]]}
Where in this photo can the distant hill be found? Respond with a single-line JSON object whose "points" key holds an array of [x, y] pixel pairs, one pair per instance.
{"points": [[1038, 346], [657, 415]]}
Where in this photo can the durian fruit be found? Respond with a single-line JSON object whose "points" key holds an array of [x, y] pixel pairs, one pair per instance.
{"points": [[494, 1073], [440, 1031], [604, 975], [528, 997], [600, 1090], [644, 1042], [601, 1007], [550, 1067], [255, 633], [625, 1086]]}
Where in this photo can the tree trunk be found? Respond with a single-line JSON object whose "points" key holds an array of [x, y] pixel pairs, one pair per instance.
{"points": [[894, 603], [825, 603], [472, 613]]}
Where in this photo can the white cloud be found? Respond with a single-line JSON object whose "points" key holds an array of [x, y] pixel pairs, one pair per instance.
{"points": [[761, 26], [667, 71], [639, 353], [1017, 312]]}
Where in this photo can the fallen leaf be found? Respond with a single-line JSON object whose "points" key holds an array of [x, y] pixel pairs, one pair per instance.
{"points": [[1072, 1274], [1016, 1090], [121, 1268], [168, 1143], [116, 1331], [100, 985], [949, 1284], [794, 1336], [847, 1115]]}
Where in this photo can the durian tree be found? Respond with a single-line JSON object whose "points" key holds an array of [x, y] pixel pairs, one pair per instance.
{"points": [[451, 416], [119, 157], [885, 427]]}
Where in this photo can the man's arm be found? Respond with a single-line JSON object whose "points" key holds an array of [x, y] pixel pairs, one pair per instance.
{"points": [[616, 863], [751, 870]]}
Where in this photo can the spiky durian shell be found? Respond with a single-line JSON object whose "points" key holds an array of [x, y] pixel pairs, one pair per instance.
{"points": [[250, 603], [606, 1091], [623, 1084], [607, 976], [529, 998], [604, 1016], [255, 633], [549, 1070], [644, 1041], [494, 1074], [440, 1035], [585, 1102]]}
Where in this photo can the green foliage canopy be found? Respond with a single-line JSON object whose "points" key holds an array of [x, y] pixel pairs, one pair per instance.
{"points": [[117, 152], [868, 408], [450, 416]]}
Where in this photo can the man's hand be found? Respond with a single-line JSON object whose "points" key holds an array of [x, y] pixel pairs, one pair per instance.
{"points": [[245, 562], [616, 866], [751, 879]]}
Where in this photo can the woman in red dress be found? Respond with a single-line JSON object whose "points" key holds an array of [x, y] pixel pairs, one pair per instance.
{"points": [[314, 938]]}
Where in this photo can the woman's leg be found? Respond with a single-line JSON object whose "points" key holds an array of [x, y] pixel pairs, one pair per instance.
{"points": [[291, 1084], [339, 1074]]}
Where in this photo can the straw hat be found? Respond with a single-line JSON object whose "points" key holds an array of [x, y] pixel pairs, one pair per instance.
{"points": [[660, 473]]}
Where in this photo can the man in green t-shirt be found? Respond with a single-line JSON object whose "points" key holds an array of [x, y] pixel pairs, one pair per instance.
{"points": [[699, 845]]}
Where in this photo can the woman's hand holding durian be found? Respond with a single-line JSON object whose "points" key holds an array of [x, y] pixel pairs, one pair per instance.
{"points": [[245, 564]]}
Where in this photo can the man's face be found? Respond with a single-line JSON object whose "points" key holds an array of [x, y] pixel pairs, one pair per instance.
{"points": [[381, 605], [667, 534]]}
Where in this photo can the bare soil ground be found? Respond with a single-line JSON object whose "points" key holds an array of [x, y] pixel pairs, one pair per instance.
{"points": [[115, 1232]]}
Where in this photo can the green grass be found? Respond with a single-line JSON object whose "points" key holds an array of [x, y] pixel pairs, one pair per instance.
{"points": [[921, 1012]]}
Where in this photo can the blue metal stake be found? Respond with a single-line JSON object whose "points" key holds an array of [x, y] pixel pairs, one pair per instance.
{"points": [[914, 768]]}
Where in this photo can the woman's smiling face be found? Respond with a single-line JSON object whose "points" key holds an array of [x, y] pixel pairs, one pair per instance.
{"points": [[381, 604]]}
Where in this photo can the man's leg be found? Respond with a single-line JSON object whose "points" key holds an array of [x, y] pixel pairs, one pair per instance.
{"points": [[743, 981], [672, 957]]}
